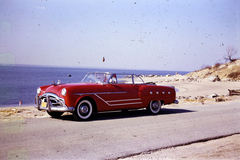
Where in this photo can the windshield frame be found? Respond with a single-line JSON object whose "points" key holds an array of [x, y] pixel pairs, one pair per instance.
{"points": [[96, 77]]}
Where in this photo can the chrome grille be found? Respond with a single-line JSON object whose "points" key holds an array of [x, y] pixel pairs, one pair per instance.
{"points": [[54, 99]]}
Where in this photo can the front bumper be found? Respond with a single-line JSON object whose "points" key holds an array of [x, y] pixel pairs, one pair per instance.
{"points": [[52, 103]]}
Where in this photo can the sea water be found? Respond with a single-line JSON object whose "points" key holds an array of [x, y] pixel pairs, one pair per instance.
{"points": [[19, 83]]}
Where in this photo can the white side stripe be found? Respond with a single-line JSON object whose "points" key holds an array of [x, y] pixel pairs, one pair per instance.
{"points": [[137, 99], [120, 101]]}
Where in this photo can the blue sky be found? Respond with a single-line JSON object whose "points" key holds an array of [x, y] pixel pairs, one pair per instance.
{"points": [[179, 35]]}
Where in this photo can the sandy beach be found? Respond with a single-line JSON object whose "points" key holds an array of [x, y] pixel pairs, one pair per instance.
{"points": [[189, 92]]}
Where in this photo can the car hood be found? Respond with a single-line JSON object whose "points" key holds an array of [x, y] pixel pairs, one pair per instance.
{"points": [[57, 88]]}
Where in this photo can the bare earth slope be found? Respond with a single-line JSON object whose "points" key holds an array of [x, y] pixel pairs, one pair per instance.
{"points": [[227, 71]]}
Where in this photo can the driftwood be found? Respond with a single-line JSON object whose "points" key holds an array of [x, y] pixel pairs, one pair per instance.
{"points": [[234, 92]]}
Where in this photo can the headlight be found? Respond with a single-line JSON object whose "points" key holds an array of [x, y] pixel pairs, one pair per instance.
{"points": [[64, 91], [39, 90]]}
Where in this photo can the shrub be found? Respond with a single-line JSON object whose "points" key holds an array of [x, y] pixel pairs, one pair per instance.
{"points": [[206, 67], [234, 75], [216, 66]]}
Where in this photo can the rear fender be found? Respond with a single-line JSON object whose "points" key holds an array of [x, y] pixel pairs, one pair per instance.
{"points": [[167, 95]]}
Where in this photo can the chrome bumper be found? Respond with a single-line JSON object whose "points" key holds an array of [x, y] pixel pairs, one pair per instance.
{"points": [[51, 103], [176, 102]]}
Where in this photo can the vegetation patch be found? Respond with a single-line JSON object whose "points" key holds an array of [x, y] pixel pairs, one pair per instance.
{"points": [[207, 67], [11, 111], [234, 75], [216, 66]]}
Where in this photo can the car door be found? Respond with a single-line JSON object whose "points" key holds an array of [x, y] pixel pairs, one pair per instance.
{"points": [[123, 93]]}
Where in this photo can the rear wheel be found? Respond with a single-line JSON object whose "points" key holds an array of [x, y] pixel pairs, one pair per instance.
{"points": [[55, 114], [83, 110], [154, 106]]}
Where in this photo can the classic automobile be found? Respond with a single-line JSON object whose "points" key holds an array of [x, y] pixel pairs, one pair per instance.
{"points": [[99, 92]]}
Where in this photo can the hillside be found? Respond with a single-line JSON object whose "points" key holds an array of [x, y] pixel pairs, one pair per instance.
{"points": [[227, 71]]}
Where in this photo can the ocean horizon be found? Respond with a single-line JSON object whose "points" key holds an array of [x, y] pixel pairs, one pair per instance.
{"points": [[20, 82]]}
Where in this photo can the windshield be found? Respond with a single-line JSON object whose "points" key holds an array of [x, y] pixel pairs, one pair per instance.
{"points": [[96, 78], [112, 78]]}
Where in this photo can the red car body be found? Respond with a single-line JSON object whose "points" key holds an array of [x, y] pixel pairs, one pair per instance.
{"points": [[103, 92]]}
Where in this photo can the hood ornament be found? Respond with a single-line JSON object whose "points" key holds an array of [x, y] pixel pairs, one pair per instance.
{"points": [[59, 82]]}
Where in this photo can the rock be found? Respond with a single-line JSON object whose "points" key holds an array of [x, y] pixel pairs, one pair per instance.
{"points": [[219, 99], [190, 79], [176, 80], [181, 97], [177, 74], [214, 78], [193, 98], [213, 95], [200, 98]]}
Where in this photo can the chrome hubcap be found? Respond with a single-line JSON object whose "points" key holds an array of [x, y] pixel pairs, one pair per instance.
{"points": [[84, 109], [155, 105]]}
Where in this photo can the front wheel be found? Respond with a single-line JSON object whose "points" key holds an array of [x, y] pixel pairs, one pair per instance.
{"points": [[83, 110], [154, 107]]}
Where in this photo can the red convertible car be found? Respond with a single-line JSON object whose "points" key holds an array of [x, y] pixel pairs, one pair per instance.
{"points": [[99, 92]]}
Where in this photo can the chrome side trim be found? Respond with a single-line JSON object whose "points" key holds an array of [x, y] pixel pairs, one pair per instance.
{"points": [[100, 93], [130, 103]]}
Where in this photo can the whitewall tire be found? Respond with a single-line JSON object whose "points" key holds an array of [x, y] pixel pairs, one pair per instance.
{"points": [[83, 111], [154, 106]]}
